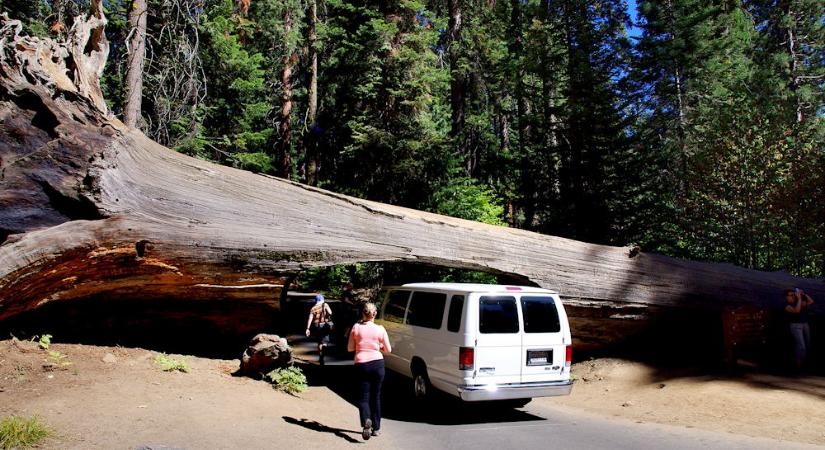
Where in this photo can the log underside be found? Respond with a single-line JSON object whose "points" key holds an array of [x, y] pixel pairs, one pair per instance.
{"points": [[90, 208]]}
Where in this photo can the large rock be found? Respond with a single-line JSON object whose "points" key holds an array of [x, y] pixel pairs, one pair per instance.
{"points": [[266, 352]]}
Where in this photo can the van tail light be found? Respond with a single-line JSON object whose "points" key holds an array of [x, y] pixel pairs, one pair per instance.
{"points": [[568, 356], [466, 358]]}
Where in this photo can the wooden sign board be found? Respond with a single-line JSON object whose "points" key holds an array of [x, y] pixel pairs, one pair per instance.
{"points": [[745, 331]]}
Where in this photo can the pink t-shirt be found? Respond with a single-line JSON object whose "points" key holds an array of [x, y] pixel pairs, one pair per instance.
{"points": [[367, 340]]}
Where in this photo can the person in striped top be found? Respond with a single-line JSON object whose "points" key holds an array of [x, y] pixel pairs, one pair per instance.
{"points": [[319, 324]]}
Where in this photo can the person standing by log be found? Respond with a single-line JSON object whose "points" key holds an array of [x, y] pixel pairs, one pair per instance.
{"points": [[369, 341], [351, 309], [796, 310], [319, 325]]}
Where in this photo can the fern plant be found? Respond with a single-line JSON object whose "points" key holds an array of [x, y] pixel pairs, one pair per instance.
{"points": [[288, 379]]}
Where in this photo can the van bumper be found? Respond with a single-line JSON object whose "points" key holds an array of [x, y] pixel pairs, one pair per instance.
{"points": [[477, 393]]}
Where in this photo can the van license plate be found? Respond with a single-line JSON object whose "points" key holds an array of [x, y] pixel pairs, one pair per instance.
{"points": [[539, 357]]}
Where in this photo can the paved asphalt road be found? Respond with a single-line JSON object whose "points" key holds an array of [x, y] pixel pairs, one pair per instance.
{"points": [[450, 424], [542, 425]]}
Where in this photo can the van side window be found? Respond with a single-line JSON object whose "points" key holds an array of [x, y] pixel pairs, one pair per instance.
{"points": [[426, 309], [456, 309], [540, 315], [498, 315], [396, 306]]}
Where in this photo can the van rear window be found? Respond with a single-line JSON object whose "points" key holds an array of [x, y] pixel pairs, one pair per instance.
{"points": [[498, 315], [540, 315], [396, 306]]}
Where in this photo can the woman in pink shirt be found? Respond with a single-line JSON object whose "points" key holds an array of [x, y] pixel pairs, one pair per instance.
{"points": [[369, 341]]}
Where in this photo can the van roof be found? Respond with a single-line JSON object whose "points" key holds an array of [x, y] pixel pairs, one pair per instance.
{"points": [[475, 287]]}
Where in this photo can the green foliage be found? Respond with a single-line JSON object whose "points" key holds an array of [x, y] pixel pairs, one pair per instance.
{"points": [[18, 432], [33, 14], [465, 198], [289, 379], [467, 276], [254, 162], [725, 119], [58, 359], [386, 107], [169, 364], [235, 114], [331, 279], [45, 341]]}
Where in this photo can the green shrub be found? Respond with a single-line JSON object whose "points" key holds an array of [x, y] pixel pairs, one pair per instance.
{"points": [[45, 341], [59, 359], [22, 432], [289, 379], [169, 364]]}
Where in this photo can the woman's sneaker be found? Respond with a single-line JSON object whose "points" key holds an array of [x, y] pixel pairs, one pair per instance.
{"points": [[367, 432], [376, 433]]}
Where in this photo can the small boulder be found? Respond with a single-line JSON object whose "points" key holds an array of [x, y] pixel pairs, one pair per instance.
{"points": [[266, 352], [109, 358]]}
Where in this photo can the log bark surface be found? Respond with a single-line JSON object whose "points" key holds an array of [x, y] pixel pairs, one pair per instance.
{"points": [[89, 207]]}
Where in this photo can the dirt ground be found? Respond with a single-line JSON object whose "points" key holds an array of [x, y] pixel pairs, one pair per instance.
{"points": [[114, 397], [753, 404]]}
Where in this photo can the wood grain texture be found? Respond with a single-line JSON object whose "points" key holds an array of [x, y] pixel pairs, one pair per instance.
{"points": [[89, 207]]}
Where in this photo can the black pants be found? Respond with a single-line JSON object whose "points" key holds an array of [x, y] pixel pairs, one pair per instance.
{"points": [[370, 378]]}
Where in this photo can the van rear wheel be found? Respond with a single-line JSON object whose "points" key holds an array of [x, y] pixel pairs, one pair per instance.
{"points": [[421, 385]]}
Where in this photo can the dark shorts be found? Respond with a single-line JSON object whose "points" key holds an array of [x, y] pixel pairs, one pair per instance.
{"points": [[321, 333]]}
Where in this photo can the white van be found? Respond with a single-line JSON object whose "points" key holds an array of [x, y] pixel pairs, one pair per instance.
{"points": [[478, 341]]}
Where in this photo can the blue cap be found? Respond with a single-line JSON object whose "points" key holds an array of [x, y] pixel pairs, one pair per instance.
{"points": [[319, 298]]}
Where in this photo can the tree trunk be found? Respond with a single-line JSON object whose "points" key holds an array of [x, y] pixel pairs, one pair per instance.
{"points": [[285, 125], [681, 130], [794, 65], [457, 83], [516, 54], [137, 54], [92, 208], [310, 147]]}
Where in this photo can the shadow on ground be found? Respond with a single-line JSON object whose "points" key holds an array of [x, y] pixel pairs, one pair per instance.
{"points": [[398, 403], [807, 384], [321, 428]]}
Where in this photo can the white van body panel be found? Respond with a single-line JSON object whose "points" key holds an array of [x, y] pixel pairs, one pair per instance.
{"points": [[501, 367]]}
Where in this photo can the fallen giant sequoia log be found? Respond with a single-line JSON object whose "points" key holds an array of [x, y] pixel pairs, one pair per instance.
{"points": [[91, 208]]}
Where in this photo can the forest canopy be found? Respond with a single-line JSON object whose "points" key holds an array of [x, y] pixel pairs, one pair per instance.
{"points": [[689, 128]]}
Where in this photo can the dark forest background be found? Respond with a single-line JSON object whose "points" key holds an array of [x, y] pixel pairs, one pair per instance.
{"points": [[690, 128]]}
